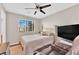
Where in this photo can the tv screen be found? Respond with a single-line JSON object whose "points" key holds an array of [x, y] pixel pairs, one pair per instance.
{"points": [[69, 31]]}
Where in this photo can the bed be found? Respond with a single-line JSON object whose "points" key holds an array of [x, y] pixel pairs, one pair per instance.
{"points": [[33, 42]]}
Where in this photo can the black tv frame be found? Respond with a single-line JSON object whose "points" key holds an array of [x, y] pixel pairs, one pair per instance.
{"points": [[68, 31]]}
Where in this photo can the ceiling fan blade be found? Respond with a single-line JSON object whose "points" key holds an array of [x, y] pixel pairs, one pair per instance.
{"points": [[35, 12], [30, 8], [41, 7], [42, 11]]}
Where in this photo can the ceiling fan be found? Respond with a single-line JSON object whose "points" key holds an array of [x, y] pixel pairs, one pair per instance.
{"points": [[38, 7]]}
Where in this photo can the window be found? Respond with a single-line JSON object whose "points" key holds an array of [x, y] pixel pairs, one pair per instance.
{"points": [[26, 25]]}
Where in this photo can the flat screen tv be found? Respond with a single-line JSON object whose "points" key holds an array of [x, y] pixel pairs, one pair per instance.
{"points": [[69, 31]]}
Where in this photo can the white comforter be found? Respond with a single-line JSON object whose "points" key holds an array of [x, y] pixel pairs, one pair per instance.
{"points": [[33, 42]]}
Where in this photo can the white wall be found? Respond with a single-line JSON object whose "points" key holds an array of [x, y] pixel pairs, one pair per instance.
{"points": [[0, 24], [13, 34], [3, 23], [66, 17]]}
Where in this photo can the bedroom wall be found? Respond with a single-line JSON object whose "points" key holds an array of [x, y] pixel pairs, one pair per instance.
{"points": [[3, 22], [0, 18], [66, 17], [13, 35], [0, 23]]}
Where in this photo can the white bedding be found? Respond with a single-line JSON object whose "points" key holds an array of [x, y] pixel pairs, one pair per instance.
{"points": [[29, 38], [64, 41], [33, 42]]}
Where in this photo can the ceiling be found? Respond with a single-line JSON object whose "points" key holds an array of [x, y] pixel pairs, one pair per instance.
{"points": [[19, 8]]}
